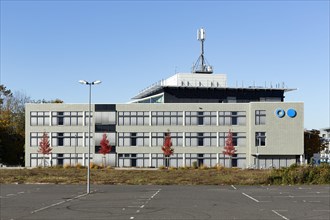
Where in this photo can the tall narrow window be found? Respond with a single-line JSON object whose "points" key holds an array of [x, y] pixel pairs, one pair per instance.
{"points": [[133, 139], [200, 139], [60, 119], [60, 139], [200, 118], [234, 118], [260, 138]]}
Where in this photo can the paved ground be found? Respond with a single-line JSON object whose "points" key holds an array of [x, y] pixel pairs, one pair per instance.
{"points": [[164, 202]]}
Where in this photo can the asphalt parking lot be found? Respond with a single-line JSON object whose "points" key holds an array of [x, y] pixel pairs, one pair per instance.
{"points": [[37, 201]]}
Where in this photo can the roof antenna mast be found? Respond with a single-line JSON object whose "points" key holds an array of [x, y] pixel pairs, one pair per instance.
{"points": [[201, 65]]}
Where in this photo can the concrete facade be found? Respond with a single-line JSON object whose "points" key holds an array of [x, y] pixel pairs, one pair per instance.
{"points": [[198, 132]]}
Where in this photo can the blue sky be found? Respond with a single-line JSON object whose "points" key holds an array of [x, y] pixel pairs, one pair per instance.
{"points": [[47, 46]]}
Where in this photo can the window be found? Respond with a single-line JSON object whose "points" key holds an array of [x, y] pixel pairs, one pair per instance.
{"points": [[127, 139], [201, 118], [157, 139], [87, 118], [105, 118], [260, 117], [239, 139], [200, 140], [35, 138], [60, 140], [260, 138], [133, 118], [60, 119], [39, 118], [133, 139], [232, 118], [167, 118], [67, 139], [67, 118], [205, 139]]}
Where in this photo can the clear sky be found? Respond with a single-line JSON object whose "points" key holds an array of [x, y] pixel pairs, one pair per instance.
{"points": [[47, 46]]}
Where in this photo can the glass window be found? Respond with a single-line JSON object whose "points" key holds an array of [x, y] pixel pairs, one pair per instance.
{"points": [[260, 117], [205, 139], [133, 118], [128, 139], [260, 138], [232, 118], [200, 118], [167, 118], [239, 139], [39, 118]]}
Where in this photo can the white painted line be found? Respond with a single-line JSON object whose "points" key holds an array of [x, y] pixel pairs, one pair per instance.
{"points": [[282, 216], [234, 187], [137, 211], [250, 197], [58, 203], [321, 210], [20, 192], [142, 206], [10, 194], [131, 217], [304, 188]]}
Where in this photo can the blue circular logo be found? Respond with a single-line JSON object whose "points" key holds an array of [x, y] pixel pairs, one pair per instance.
{"points": [[280, 113], [291, 113]]}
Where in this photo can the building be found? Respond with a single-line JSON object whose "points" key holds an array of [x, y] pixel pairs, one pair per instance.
{"points": [[198, 109]]}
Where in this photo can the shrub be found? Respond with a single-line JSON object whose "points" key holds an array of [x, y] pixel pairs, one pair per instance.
{"points": [[203, 167], [79, 166], [66, 166], [195, 165]]}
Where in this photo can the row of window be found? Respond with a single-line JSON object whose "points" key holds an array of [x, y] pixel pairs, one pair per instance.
{"points": [[207, 139], [58, 139], [59, 118], [177, 118], [179, 160], [142, 118], [126, 139]]}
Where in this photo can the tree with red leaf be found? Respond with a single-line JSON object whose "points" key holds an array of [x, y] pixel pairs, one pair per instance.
{"points": [[105, 148], [229, 149], [167, 148], [44, 146]]}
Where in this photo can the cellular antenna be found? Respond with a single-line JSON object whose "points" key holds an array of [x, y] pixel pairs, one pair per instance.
{"points": [[201, 66]]}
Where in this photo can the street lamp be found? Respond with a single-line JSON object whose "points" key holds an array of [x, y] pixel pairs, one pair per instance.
{"points": [[258, 144], [89, 128]]}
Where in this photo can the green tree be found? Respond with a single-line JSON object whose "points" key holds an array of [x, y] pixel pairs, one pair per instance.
{"points": [[12, 126], [312, 143]]}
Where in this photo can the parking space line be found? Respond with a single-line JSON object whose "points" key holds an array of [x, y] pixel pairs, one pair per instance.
{"points": [[282, 216], [250, 197], [233, 187], [58, 203]]}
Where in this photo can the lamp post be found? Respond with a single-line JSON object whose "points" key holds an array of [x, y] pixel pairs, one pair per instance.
{"points": [[89, 128], [257, 154]]}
